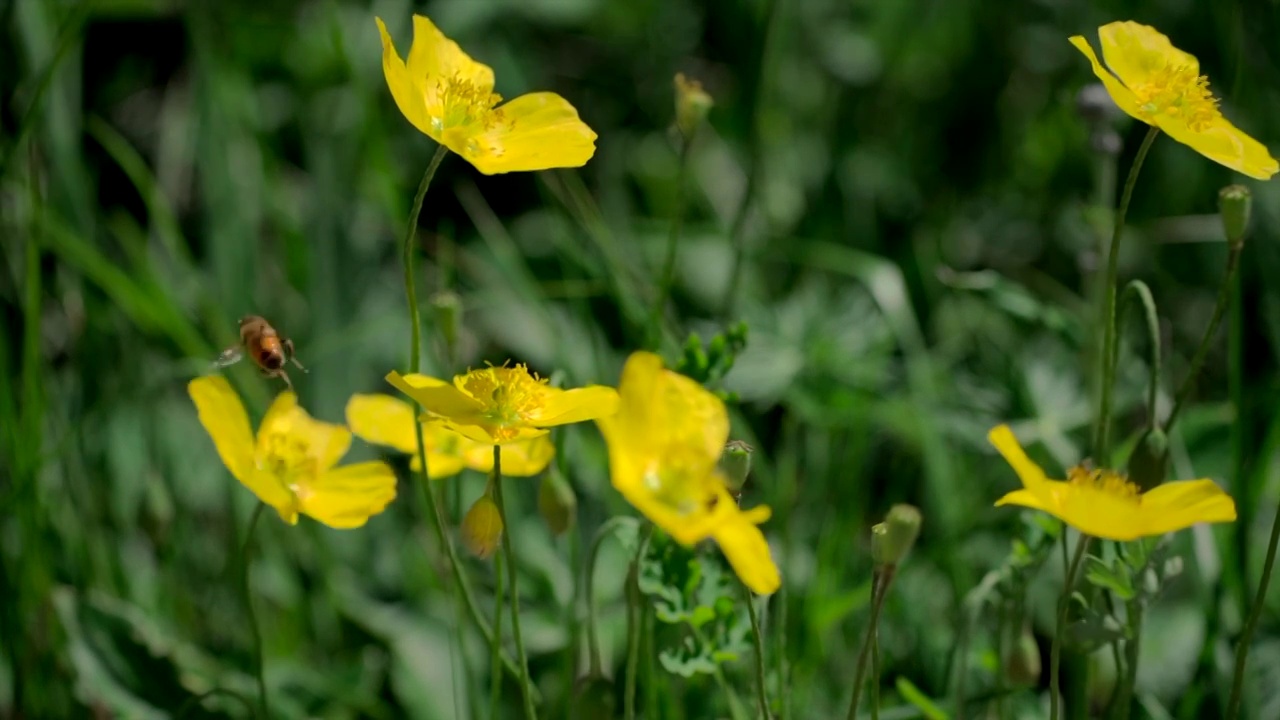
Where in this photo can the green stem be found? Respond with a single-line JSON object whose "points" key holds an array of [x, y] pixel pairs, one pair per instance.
{"points": [[593, 640], [495, 647], [1206, 342], [762, 694], [1251, 625], [264, 706], [875, 674], [1138, 290], [633, 623], [410, 234], [1064, 602], [654, 331], [879, 589], [526, 683], [1109, 354], [1131, 647]]}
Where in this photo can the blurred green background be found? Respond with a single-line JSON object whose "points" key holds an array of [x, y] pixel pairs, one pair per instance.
{"points": [[919, 244]]}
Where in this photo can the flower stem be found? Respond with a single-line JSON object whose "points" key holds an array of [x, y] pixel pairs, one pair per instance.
{"points": [[495, 646], [1109, 349], [415, 360], [653, 334], [264, 706], [593, 640], [1206, 342], [1064, 602], [879, 589], [526, 683], [633, 623], [1131, 646], [1251, 625], [762, 694]]}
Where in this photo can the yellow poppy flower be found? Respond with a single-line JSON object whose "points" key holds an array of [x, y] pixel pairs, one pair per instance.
{"points": [[499, 405], [1104, 504], [291, 465], [450, 98], [1155, 82], [664, 444], [385, 420]]}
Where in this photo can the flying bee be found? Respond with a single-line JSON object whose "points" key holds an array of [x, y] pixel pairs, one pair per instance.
{"points": [[264, 346]]}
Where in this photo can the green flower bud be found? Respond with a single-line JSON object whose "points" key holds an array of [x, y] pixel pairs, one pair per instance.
{"points": [[594, 699], [735, 463], [1234, 205], [1149, 463], [892, 539], [1022, 661], [482, 528], [692, 105], [447, 307], [557, 504]]}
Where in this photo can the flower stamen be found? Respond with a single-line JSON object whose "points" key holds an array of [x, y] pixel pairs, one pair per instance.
{"points": [[1178, 92], [1106, 481]]}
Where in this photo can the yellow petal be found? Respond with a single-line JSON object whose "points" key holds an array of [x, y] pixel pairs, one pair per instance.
{"points": [[693, 521], [382, 420], [224, 418], [485, 434], [1134, 52], [519, 459], [633, 425], [347, 496], [1177, 505], [1123, 97], [328, 441], [537, 131], [443, 399], [1224, 144], [690, 413], [748, 552], [562, 407], [435, 56], [409, 91], [1006, 443], [439, 465]]}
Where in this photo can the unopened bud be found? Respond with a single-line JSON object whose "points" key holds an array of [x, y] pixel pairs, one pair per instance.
{"points": [[1234, 205], [557, 504], [1022, 661], [892, 539], [482, 527], [735, 463], [447, 307], [1149, 462], [594, 699], [692, 105]]}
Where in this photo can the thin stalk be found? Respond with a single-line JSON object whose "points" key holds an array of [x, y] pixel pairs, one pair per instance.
{"points": [[264, 705], [633, 623], [495, 647], [879, 589], [1131, 647], [1109, 354], [593, 639], [1206, 342], [875, 674], [1251, 625], [1002, 650], [526, 683], [411, 232], [762, 695], [654, 331], [1064, 602]]}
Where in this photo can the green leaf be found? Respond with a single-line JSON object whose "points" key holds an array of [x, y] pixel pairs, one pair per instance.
{"points": [[922, 702], [1114, 577]]}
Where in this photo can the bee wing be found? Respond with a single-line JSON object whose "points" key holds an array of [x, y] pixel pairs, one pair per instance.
{"points": [[230, 356]]}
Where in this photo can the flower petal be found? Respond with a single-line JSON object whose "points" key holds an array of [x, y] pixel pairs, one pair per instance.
{"points": [[537, 131], [1006, 443], [687, 411], [562, 407], [748, 552], [443, 399], [484, 434], [382, 420], [223, 416], [633, 426], [1177, 505], [1224, 144], [347, 496], [408, 90], [1121, 95], [519, 459], [1134, 52]]}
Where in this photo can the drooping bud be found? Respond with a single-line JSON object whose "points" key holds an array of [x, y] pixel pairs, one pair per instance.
{"points": [[447, 308], [594, 699], [735, 463], [557, 503], [1234, 205], [1149, 462], [692, 105], [1022, 660], [482, 527], [892, 539]]}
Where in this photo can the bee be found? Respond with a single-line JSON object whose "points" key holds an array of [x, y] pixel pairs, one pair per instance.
{"points": [[264, 346]]}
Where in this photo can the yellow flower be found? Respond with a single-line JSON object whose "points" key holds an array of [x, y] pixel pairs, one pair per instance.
{"points": [[385, 420], [664, 444], [291, 465], [499, 405], [1104, 504], [1155, 82], [450, 97]]}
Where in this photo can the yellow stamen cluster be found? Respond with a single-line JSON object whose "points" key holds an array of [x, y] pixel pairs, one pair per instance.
{"points": [[510, 395], [1107, 481], [285, 455], [1179, 92], [462, 104]]}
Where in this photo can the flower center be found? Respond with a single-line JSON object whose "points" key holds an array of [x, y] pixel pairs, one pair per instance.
{"points": [[511, 396], [1106, 481], [1177, 92], [679, 484], [287, 457], [461, 104]]}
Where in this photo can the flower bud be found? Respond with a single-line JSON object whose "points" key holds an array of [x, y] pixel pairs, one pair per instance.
{"points": [[892, 539], [482, 527], [557, 504], [594, 699], [1149, 462], [1022, 661], [735, 463], [1234, 205], [447, 308], [692, 105]]}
